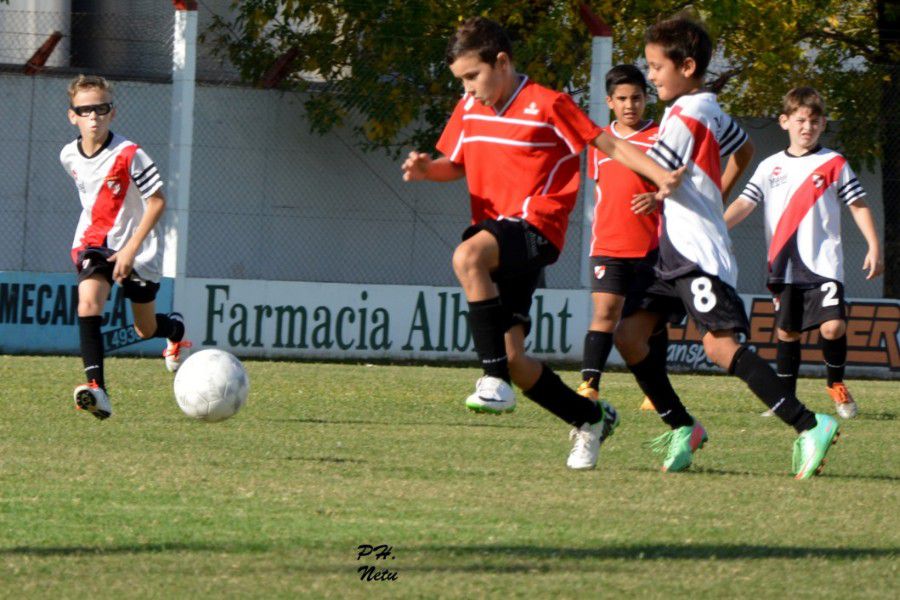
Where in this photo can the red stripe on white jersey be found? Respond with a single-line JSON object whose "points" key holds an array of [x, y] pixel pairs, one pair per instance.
{"points": [[705, 152], [109, 200], [803, 199]]}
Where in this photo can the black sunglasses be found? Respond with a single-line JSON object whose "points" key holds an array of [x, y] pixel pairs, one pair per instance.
{"points": [[100, 109]]}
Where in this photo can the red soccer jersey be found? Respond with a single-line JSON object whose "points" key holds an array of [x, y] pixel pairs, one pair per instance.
{"points": [[521, 161], [617, 231]]}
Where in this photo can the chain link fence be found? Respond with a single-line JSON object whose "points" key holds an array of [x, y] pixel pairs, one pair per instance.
{"points": [[269, 199]]}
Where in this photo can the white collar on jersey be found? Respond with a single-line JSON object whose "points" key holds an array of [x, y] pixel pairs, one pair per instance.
{"points": [[522, 83], [612, 127]]}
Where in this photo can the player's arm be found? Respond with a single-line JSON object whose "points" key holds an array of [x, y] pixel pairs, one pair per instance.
{"points": [[124, 258], [862, 214], [420, 166], [738, 210], [735, 167], [629, 155]]}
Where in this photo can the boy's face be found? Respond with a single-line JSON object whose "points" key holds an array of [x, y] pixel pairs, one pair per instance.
{"points": [[92, 125], [671, 80], [628, 102], [803, 127], [484, 82]]}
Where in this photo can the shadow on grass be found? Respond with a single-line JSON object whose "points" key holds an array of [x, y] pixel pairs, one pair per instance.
{"points": [[662, 551], [696, 471], [499, 425], [481, 558]]}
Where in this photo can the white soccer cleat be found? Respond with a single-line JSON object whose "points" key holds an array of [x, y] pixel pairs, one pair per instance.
{"points": [[93, 399], [492, 395], [588, 437], [767, 413], [844, 404], [176, 353]]}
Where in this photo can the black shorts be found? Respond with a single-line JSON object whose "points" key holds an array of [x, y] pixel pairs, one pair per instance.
{"points": [[524, 252], [621, 276], [93, 261], [801, 308], [710, 302]]}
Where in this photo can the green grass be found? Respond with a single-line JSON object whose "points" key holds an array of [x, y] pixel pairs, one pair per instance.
{"points": [[324, 457]]}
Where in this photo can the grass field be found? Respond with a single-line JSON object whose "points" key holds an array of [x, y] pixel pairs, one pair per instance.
{"points": [[274, 502]]}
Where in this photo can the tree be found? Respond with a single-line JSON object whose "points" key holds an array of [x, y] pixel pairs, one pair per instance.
{"points": [[889, 43], [379, 65]]}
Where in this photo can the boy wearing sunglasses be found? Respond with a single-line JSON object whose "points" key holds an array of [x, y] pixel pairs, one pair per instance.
{"points": [[118, 238]]}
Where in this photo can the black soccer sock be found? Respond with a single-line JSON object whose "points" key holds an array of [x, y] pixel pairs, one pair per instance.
{"points": [[552, 394], [597, 346], [835, 354], [762, 381], [659, 347], [653, 380], [787, 359], [169, 328], [487, 320], [92, 349]]}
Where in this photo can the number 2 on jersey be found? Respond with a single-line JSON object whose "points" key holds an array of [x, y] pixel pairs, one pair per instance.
{"points": [[831, 289]]}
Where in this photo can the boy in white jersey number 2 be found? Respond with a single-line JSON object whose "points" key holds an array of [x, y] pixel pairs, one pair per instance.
{"points": [[696, 269], [518, 145], [803, 189], [117, 238]]}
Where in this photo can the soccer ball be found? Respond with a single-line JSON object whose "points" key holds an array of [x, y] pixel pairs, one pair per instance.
{"points": [[211, 385]]}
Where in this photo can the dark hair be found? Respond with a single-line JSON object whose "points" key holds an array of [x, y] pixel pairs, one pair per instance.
{"points": [[477, 34], [682, 38], [621, 74], [803, 97]]}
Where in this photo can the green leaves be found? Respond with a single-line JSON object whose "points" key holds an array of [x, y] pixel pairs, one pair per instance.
{"points": [[378, 66]]}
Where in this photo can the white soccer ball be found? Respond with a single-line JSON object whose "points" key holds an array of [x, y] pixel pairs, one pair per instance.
{"points": [[211, 385]]}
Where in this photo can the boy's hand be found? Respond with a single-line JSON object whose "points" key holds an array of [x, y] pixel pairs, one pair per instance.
{"points": [[668, 185], [874, 263], [415, 167], [644, 204], [124, 260]]}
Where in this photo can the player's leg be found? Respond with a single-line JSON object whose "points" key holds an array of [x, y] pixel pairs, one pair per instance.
{"points": [[598, 340], [93, 290], [150, 324], [719, 313], [834, 352], [642, 339], [787, 361], [592, 422], [473, 261]]}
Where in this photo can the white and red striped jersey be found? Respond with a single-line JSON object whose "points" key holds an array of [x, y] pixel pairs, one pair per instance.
{"points": [[803, 197], [696, 133], [113, 185], [617, 231], [522, 160]]}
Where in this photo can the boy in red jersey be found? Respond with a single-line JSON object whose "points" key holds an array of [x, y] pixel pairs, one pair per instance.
{"points": [[518, 145], [802, 189], [624, 237], [117, 237]]}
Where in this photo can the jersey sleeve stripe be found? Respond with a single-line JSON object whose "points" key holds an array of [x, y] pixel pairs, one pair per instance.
{"points": [[752, 192], [146, 175], [144, 172], [149, 184], [663, 154], [735, 142]]}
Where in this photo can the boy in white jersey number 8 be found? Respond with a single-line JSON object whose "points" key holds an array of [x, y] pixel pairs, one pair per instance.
{"points": [[803, 188], [696, 270], [117, 238]]}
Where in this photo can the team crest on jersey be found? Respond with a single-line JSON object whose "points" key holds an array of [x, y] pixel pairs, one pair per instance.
{"points": [[114, 186], [532, 109], [599, 271], [777, 178], [78, 184], [818, 180]]}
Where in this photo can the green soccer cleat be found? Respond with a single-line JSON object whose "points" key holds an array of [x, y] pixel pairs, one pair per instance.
{"points": [[679, 446], [812, 446]]}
